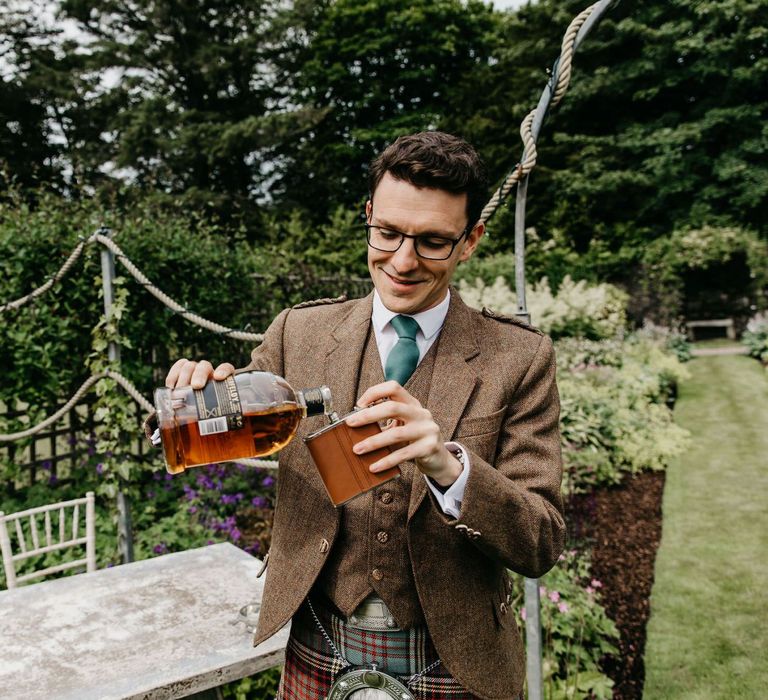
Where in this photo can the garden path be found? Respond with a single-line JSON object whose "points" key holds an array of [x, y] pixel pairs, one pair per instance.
{"points": [[708, 632]]}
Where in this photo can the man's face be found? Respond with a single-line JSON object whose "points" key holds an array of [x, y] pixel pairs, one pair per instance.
{"points": [[407, 283]]}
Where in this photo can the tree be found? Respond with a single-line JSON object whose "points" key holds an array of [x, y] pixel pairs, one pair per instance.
{"points": [[28, 155], [190, 98], [663, 128], [374, 70]]}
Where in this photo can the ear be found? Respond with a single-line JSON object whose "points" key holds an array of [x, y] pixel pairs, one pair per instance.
{"points": [[368, 210], [473, 238]]}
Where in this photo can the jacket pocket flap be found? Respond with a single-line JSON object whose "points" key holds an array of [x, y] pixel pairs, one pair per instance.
{"points": [[479, 425]]}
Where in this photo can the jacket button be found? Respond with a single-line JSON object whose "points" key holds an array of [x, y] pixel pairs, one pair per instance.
{"points": [[324, 545], [386, 497], [382, 536], [377, 574], [503, 608]]}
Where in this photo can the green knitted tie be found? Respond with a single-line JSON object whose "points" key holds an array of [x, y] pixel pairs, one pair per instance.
{"points": [[404, 357]]}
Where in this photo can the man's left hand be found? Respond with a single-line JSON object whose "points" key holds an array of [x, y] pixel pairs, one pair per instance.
{"points": [[412, 433]]}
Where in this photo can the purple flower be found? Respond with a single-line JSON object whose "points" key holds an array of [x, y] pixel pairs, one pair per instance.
{"points": [[267, 481], [161, 548], [99, 468], [230, 498], [52, 480], [234, 533], [259, 501], [189, 493], [47, 465]]}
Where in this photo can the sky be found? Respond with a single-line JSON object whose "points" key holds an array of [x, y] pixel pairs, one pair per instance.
{"points": [[504, 4]]}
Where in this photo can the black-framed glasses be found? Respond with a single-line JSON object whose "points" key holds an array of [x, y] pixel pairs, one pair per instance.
{"points": [[427, 246]]}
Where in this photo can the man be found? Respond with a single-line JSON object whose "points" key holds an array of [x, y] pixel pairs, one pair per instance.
{"points": [[412, 575]]}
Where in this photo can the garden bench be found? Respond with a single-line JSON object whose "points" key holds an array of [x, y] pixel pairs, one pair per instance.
{"points": [[726, 323]]}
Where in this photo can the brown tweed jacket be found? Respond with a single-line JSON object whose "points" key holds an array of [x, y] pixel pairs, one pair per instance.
{"points": [[493, 391]]}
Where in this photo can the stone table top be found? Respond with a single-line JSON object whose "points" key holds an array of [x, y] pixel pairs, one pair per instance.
{"points": [[154, 629]]}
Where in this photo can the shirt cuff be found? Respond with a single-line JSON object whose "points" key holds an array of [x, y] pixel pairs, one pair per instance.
{"points": [[450, 500]]}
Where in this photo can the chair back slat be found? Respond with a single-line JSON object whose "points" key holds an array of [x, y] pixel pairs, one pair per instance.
{"points": [[33, 531], [48, 539], [20, 535], [26, 525], [75, 519]]}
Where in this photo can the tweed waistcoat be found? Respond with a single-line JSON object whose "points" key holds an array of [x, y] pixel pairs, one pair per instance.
{"points": [[371, 551]]}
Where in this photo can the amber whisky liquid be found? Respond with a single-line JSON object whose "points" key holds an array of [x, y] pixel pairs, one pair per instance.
{"points": [[262, 434]]}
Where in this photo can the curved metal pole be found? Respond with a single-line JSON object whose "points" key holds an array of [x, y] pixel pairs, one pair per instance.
{"points": [[522, 186], [531, 586]]}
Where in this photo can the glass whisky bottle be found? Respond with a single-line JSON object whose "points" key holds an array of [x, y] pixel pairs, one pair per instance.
{"points": [[249, 414]]}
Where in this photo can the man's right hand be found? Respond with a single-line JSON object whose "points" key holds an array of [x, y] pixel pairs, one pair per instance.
{"points": [[196, 374]]}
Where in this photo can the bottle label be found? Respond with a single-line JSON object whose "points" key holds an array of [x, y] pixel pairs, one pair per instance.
{"points": [[218, 407]]}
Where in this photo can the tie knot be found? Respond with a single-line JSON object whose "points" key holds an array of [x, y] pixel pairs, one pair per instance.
{"points": [[405, 326]]}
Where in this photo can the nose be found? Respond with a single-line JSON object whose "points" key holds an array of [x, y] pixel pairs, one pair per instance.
{"points": [[404, 259]]}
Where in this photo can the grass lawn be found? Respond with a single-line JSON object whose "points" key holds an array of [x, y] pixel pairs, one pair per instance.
{"points": [[708, 632]]}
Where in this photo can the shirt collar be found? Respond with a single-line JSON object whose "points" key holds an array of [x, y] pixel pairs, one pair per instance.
{"points": [[430, 321]]}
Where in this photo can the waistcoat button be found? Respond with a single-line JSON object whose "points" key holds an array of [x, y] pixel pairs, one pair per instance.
{"points": [[386, 497], [324, 545], [382, 536], [377, 574]]}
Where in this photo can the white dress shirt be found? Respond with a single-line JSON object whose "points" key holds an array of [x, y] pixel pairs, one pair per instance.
{"points": [[430, 323]]}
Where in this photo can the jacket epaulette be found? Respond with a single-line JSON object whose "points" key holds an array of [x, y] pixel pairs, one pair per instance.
{"points": [[320, 302], [489, 313]]}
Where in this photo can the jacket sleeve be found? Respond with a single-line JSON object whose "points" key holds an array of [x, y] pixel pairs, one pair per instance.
{"points": [[514, 507]]}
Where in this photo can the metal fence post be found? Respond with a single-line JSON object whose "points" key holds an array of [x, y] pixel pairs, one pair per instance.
{"points": [[124, 527], [533, 635], [533, 644]]}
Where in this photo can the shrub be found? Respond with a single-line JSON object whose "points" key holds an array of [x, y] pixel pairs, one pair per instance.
{"points": [[577, 633], [755, 337], [614, 418], [576, 309]]}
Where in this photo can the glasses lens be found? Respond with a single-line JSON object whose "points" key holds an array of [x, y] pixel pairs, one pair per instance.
{"points": [[433, 247], [383, 239]]}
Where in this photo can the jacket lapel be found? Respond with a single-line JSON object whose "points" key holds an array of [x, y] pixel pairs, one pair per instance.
{"points": [[345, 355], [453, 380]]}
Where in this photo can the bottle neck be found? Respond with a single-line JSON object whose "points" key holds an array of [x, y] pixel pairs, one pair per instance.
{"points": [[316, 401]]}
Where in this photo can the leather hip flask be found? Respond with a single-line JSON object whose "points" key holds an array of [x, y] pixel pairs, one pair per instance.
{"points": [[344, 473]]}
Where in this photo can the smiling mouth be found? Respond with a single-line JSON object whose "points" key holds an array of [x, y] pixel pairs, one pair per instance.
{"points": [[397, 280]]}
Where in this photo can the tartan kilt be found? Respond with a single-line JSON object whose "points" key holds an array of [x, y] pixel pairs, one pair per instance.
{"points": [[311, 666]]}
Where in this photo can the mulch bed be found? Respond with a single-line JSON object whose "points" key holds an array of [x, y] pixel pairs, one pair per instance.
{"points": [[623, 524]]}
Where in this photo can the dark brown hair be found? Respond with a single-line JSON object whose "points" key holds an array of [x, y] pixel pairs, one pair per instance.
{"points": [[437, 160]]}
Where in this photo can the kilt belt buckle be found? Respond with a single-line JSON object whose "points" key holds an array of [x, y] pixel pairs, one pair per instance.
{"points": [[370, 682], [367, 682], [373, 615]]}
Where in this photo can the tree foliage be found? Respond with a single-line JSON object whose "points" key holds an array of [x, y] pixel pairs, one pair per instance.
{"points": [[265, 114]]}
